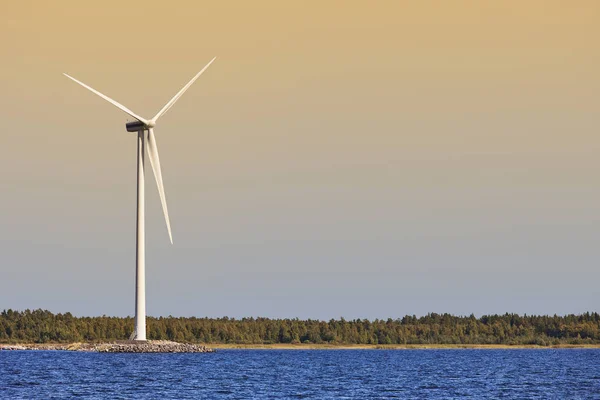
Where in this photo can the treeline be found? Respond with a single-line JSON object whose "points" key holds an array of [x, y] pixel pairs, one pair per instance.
{"points": [[42, 326]]}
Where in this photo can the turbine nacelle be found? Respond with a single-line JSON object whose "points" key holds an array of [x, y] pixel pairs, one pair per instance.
{"points": [[135, 126]]}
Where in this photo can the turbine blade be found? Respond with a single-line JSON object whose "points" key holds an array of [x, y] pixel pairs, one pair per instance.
{"points": [[181, 92], [155, 163], [114, 103]]}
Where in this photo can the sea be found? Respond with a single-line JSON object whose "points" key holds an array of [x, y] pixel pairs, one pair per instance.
{"points": [[304, 374]]}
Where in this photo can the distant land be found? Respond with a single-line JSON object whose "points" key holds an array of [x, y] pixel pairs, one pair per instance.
{"points": [[429, 331]]}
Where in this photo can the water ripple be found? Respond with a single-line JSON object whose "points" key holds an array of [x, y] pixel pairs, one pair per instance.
{"points": [[304, 374]]}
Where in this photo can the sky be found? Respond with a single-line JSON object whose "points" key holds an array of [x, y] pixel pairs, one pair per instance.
{"points": [[339, 159]]}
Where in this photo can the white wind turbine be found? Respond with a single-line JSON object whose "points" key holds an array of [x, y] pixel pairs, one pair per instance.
{"points": [[141, 126]]}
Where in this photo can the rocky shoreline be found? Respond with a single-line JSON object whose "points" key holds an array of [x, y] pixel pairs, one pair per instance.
{"points": [[124, 346]]}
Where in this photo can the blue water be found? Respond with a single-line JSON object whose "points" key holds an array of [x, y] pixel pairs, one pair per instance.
{"points": [[308, 374]]}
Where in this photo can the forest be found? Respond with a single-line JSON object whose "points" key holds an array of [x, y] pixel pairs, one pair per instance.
{"points": [[41, 326]]}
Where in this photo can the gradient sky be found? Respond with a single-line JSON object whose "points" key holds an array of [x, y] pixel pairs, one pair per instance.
{"points": [[355, 159]]}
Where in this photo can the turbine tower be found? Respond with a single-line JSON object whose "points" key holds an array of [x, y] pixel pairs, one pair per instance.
{"points": [[141, 126]]}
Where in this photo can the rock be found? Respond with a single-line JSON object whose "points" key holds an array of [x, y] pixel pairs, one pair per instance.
{"points": [[151, 346], [125, 346], [13, 347]]}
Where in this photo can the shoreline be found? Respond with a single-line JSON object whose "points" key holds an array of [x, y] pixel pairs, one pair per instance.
{"points": [[284, 346]]}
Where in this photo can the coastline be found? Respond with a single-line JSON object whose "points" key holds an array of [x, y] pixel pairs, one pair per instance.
{"points": [[284, 346]]}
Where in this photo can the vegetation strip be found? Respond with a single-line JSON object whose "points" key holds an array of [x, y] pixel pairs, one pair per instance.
{"points": [[41, 326]]}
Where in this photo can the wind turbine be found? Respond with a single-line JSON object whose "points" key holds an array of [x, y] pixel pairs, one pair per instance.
{"points": [[141, 126]]}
